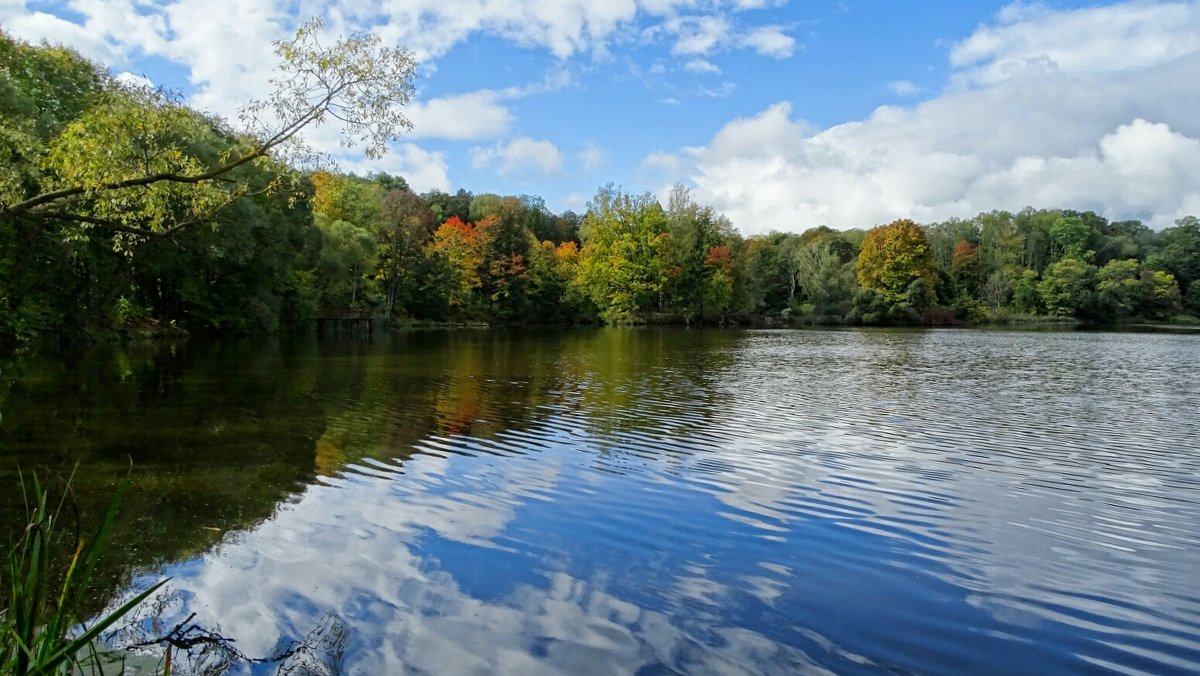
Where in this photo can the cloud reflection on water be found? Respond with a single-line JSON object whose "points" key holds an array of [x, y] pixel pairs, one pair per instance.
{"points": [[779, 501]]}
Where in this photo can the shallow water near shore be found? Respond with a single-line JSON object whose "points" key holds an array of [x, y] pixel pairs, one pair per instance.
{"points": [[649, 501]]}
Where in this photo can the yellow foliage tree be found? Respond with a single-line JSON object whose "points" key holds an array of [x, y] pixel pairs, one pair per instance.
{"points": [[893, 256]]}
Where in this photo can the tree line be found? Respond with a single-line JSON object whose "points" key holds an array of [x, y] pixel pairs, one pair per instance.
{"points": [[121, 207]]}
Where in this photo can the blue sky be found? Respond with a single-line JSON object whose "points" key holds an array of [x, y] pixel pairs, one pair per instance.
{"points": [[783, 115]]}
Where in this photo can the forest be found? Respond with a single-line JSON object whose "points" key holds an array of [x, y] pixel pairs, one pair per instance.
{"points": [[125, 212]]}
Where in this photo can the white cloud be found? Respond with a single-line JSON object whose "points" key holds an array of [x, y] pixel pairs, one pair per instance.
{"points": [[1117, 136], [661, 171], [701, 66], [522, 157], [699, 35], [904, 88], [591, 157], [37, 26], [1032, 39], [706, 34], [770, 41], [225, 45], [574, 201], [133, 79], [424, 170], [475, 115], [719, 92]]}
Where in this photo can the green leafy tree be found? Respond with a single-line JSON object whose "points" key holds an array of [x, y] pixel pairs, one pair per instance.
{"points": [[1177, 250], [1026, 296], [623, 266], [1123, 239], [773, 283], [1191, 301], [694, 232], [264, 254], [91, 164], [824, 279], [1067, 288], [869, 307], [1070, 236], [483, 206], [406, 226], [446, 206], [120, 164], [1118, 289], [349, 257], [1160, 296], [1035, 246]]}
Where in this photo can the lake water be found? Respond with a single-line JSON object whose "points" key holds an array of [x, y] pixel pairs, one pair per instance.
{"points": [[645, 501]]}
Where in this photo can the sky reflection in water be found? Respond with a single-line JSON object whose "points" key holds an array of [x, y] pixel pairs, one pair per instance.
{"points": [[729, 502]]}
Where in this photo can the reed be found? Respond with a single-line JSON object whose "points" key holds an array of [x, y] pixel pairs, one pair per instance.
{"points": [[42, 627]]}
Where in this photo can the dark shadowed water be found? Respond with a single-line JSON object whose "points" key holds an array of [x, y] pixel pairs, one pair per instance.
{"points": [[638, 501]]}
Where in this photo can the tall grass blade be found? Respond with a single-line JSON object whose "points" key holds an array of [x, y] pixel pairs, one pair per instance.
{"points": [[68, 651], [35, 632]]}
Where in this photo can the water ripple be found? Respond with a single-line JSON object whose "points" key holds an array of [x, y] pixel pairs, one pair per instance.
{"points": [[728, 502]]}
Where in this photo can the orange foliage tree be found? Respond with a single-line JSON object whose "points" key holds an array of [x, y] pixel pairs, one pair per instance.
{"points": [[459, 242], [964, 266]]}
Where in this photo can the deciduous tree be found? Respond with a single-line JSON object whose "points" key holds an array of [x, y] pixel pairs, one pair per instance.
{"points": [[892, 257]]}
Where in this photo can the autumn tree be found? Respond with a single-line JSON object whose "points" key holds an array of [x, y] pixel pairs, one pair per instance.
{"points": [[892, 257], [458, 241], [504, 244], [964, 267], [568, 268]]}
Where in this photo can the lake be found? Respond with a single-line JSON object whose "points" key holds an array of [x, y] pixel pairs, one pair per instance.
{"points": [[643, 501]]}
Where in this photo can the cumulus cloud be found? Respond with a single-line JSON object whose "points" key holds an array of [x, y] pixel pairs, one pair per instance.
{"points": [[225, 45], [133, 79], [37, 26], [1032, 39], [475, 115], [1024, 121], [770, 41], [522, 157], [424, 170]]}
